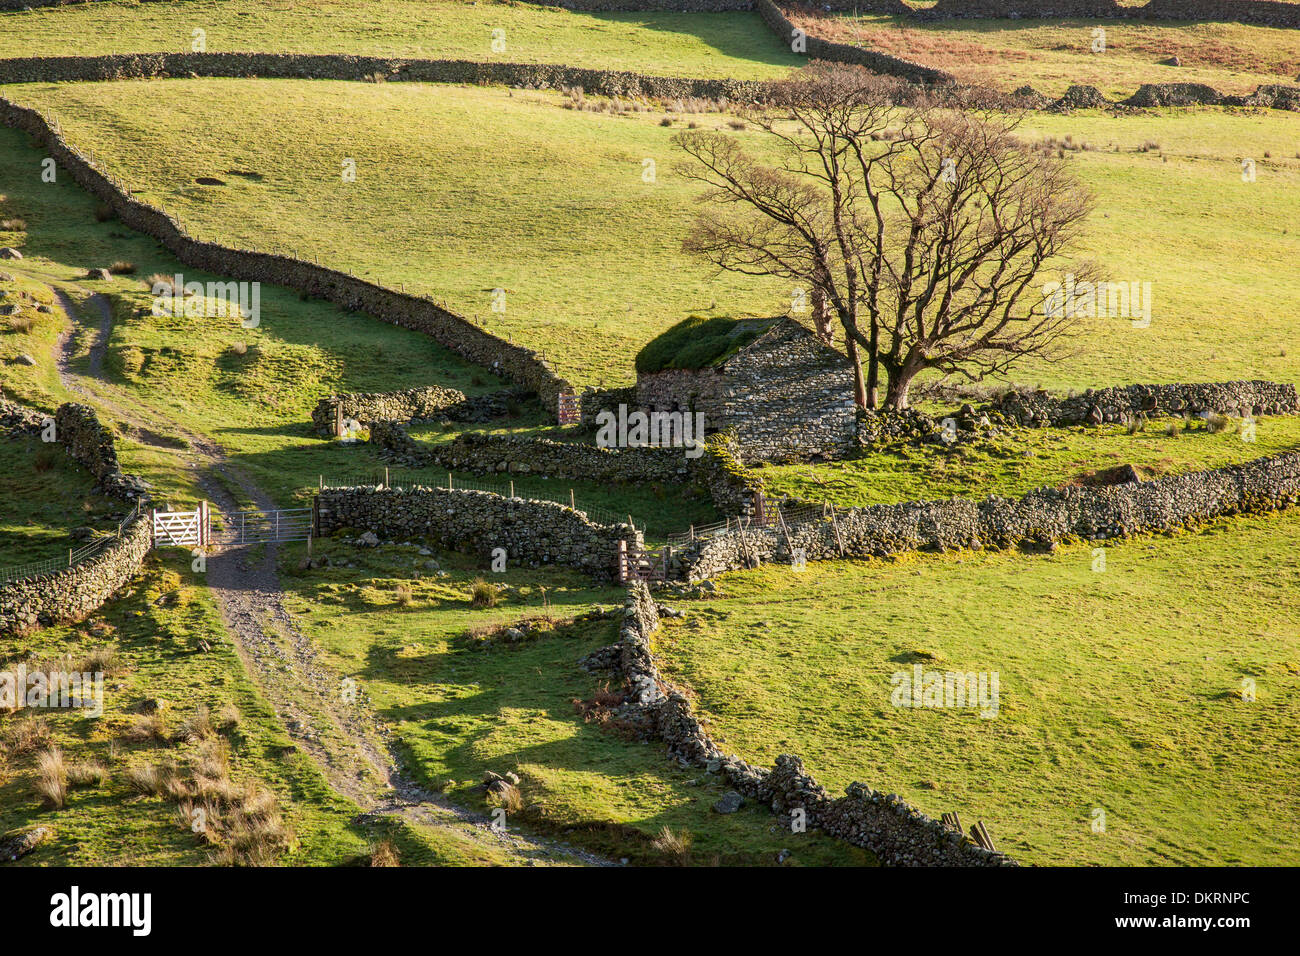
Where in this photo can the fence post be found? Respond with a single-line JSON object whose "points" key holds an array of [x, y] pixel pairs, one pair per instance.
{"points": [[338, 420], [622, 561], [784, 530], [321, 486], [386, 484], [571, 504], [512, 487], [69, 557], [449, 481]]}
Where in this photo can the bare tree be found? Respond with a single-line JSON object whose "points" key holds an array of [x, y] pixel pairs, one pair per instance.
{"points": [[923, 228]]}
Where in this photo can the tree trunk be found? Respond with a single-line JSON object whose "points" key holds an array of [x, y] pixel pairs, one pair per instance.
{"points": [[873, 366], [821, 316], [900, 383], [859, 389]]}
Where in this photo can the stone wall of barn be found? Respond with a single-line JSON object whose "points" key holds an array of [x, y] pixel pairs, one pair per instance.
{"points": [[784, 397]]}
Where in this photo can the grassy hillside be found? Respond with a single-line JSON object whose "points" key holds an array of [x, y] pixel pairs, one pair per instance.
{"points": [[734, 45], [1119, 690], [252, 390], [1053, 54], [484, 189]]}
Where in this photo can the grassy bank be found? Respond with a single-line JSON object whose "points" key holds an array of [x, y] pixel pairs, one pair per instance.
{"points": [[1020, 460], [1120, 690]]}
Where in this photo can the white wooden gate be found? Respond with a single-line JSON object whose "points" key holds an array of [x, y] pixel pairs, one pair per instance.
{"points": [[186, 529]]}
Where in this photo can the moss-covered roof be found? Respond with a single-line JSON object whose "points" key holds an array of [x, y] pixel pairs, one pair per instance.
{"points": [[699, 342]]}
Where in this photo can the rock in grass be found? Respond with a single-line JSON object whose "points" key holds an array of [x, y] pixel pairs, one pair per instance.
{"points": [[729, 802], [8, 252], [16, 845]]}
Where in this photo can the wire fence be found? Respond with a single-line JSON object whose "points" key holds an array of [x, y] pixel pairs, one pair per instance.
{"points": [[772, 516], [32, 569], [394, 478]]}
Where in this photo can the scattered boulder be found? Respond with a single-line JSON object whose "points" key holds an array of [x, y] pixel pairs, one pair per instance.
{"points": [[24, 359], [99, 275], [8, 252], [729, 802], [14, 846]]}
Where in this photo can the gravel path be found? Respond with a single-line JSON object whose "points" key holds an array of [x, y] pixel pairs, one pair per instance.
{"points": [[327, 717]]}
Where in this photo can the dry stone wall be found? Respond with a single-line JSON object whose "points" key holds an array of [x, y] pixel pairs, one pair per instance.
{"points": [[79, 430], [522, 366], [897, 833], [1041, 517], [425, 403], [1124, 402], [342, 66], [1264, 12], [69, 595], [784, 396], [533, 533]]}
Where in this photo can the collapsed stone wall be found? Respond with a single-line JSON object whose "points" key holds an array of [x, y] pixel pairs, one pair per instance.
{"points": [[1123, 402], [17, 419], [522, 366], [424, 403], [69, 595], [897, 833], [531, 532], [1041, 517]]}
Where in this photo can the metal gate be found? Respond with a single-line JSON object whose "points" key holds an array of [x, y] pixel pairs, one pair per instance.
{"points": [[261, 527], [186, 529], [569, 409]]}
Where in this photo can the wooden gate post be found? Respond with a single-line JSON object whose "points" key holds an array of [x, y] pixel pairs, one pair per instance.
{"points": [[622, 561]]}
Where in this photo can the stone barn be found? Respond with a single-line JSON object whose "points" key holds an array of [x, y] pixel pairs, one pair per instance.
{"points": [[785, 393]]}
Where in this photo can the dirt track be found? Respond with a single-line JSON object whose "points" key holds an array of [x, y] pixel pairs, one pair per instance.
{"points": [[328, 718]]}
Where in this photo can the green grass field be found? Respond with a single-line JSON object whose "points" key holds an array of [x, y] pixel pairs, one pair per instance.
{"points": [[47, 496], [1120, 690], [484, 189], [734, 45], [1053, 54], [461, 705], [1020, 460]]}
